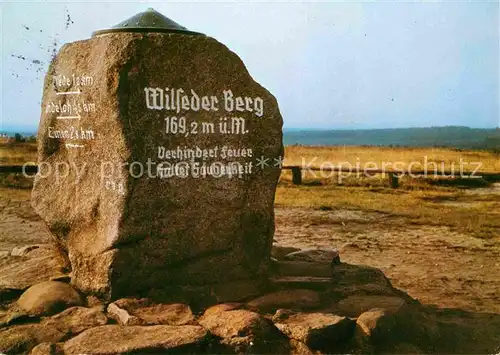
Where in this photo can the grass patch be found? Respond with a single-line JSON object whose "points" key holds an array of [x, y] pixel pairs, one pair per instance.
{"points": [[420, 207], [17, 153], [15, 181], [445, 158]]}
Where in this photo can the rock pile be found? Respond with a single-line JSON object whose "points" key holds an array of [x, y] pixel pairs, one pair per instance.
{"points": [[341, 308]]}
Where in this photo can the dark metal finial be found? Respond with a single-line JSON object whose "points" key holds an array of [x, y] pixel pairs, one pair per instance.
{"points": [[147, 21]]}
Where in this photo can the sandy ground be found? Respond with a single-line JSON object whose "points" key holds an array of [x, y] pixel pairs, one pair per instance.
{"points": [[433, 264], [19, 224]]}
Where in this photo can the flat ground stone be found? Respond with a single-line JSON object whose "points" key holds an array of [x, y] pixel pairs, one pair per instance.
{"points": [[116, 339], [5, 315], [347, 274], [324, 256], [356, 305], [376, 325], [279, 251], [293, 299], [22, 338], [35, 266], [75, 320], [11, 314], [317, 330], [222, 307], [145, 312], [47, 349], [229, 324], [350, 280], [170, 314], [242, 330], [49, 297]]}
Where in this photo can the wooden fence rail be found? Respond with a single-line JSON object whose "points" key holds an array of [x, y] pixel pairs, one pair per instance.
{"points": [[393, 175], [297, 170]]}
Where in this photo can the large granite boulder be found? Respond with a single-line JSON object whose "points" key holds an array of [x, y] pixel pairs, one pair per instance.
{"points": [[159, 157]]}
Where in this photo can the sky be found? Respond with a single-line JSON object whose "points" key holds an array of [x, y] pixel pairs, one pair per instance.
{"points": [[335, 65]]}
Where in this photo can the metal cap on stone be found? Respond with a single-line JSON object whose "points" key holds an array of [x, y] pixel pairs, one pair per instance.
{"points": [[147, 21]]}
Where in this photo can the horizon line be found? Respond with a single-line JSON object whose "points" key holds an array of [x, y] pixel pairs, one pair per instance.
{"points": [[32, 130]]}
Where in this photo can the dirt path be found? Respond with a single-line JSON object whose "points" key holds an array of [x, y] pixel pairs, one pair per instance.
{"points": [[433, 264], [19, 224]]}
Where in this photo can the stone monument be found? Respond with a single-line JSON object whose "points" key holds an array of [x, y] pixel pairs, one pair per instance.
{"points": [[158, 160]]}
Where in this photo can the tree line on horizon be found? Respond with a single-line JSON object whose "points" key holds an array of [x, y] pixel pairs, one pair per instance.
{"points": [[456, 137]]}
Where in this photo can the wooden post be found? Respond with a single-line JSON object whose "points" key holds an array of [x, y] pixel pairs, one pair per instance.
{"points": [[296, 175], [393, 180]]}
